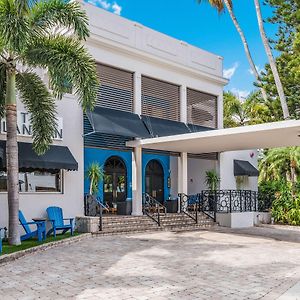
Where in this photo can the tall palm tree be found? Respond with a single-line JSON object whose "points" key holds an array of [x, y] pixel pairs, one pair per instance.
{"points": [[272, 62], [280, 163], [220, 6], [29, 39]]}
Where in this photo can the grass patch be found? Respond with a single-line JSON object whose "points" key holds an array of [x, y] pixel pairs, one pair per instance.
{"points": [[7, 249]]}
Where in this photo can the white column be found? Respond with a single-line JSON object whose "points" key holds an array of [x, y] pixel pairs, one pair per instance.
{"points": [[182, 159], [183, 104], [137, 96], [137, 182], [184, 172], [182, 175], [137, 209], [220, 110]]}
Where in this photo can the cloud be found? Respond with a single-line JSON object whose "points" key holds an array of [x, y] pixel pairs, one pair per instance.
{"points": [[228, 73], [116, 9], [258, 68], [241, 94], [107, 5]]}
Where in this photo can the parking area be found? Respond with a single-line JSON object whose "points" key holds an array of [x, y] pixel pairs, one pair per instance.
{"points": [[215, 264]]}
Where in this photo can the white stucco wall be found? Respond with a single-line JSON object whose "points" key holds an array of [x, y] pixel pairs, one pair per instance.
{"points": [[236, 220], [228, 181], [196, 174], [71, 200]]}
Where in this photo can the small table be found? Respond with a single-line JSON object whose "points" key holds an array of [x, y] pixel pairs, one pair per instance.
{"points": [[39, 219]]}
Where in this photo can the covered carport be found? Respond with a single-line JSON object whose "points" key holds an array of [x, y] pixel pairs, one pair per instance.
{"points": [[268, 135]]}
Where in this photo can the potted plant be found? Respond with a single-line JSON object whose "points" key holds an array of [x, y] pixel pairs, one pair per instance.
{"points": [[95, 174], [212, 180]]}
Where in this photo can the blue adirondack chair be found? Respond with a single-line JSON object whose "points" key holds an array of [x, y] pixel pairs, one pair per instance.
{"points": [[40, 231], [1, 239], [55, 216]]}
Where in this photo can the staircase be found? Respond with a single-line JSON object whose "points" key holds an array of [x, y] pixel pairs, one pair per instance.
{"points": [[114, 224]]}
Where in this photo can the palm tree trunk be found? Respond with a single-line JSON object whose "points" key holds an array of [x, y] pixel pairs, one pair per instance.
{"points": [[12, 163], [246, 48], [272, 61]]}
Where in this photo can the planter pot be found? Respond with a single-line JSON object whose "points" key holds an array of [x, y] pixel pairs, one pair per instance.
{"points": [[172, 206], [124, 208]]}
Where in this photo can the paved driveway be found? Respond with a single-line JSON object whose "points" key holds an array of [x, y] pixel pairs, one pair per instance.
{"points": [[190, 265]]}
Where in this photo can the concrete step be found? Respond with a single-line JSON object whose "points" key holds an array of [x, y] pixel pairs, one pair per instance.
{"points": [[114, 224], [155, 229]]}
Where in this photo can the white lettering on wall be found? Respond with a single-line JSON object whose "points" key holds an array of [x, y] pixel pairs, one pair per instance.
{"points": [[24, 127]]}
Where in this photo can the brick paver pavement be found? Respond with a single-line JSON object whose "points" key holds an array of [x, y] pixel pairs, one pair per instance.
{"points": [[164, 265]]}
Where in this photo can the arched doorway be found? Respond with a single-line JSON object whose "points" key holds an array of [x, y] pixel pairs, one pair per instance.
{"points": [[115, 181], [155, 180]]}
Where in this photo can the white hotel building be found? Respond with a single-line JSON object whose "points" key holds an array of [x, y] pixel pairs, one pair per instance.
{"points": [[156, 128]]}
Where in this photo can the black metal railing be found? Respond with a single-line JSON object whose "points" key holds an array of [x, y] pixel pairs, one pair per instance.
{"points": [[228, 201], [189, 205], [152, 208], [93, 207]]}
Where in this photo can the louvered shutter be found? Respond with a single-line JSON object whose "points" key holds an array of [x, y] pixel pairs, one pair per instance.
{"points": [[201, 109], [116, 89], [160, 99]]}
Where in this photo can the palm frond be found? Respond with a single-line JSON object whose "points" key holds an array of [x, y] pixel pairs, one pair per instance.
{"points": [[67, 61], [2, 88], [14, 29], [217, 4], [41, 106], [45, 15]]}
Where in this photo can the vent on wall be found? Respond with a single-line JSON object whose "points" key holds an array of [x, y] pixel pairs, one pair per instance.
{"points": [[201, 109], [116, 88], [160, 99]]}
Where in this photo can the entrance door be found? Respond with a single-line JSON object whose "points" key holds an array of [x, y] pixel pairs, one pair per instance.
{"points": [[155, 180], [115, 181]]}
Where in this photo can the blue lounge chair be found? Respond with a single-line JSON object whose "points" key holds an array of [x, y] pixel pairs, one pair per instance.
{"points": [[40, 231], [55, 216]]}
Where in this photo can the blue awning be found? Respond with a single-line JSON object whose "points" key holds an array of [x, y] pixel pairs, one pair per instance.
{"points": [[116, 122]]}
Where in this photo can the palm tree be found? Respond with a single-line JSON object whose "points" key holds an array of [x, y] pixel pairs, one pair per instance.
{"points": [[280, 163], [29, 39], [220, 6], [248, 112], [95, 174], [272, 61]]}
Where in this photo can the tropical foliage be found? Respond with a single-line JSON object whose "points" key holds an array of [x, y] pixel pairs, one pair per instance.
{"points": [[40, 35], [95, 174], [212, 180], [250, 111], [280, 164], [286, 207], [287, 44]]}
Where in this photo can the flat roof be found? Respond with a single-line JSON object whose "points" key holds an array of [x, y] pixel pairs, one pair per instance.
{"points": [[268, 135]]}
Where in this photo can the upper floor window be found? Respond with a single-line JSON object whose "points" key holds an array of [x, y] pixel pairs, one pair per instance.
{"points": [[116, 88], [160, 99], [202, 109]]}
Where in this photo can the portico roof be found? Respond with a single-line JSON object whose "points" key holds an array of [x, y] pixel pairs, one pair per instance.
{"points": [[268, 135]]}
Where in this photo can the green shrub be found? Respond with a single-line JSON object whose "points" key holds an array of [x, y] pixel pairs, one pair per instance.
{"points": [[286, 207]]}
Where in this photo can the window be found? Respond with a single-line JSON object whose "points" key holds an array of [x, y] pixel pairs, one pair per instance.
{"points": [[35, 182], [201, 109], [160, 99], [116, 88]]}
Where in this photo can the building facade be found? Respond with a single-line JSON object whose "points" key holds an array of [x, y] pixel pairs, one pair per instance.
{"points": [[152, 85], [173, 88]]}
